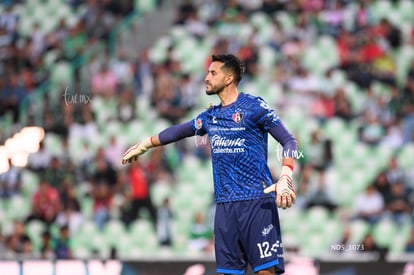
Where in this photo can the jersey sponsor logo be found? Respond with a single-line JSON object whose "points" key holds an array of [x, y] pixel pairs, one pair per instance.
{"points": [[214, 120], [228, 146], [217, 141]]}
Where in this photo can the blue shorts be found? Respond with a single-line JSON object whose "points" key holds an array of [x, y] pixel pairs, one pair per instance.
{"points": [[248, 232]]}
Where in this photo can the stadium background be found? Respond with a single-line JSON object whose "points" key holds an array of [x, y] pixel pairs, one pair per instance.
{"points": [[98, 76]]}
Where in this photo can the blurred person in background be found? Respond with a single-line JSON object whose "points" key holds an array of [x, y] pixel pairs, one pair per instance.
{"points": [[11, 95], [382, 185], [164, 223], [200, 235], [369, 245], [319, 154], [407, 108], [397, 206], [62, 244], [46, 203], [70, 214], [394, 172], [18, 242], [342, 105], [139, 196], [39, 160], [55, 174], [102, 204], [46, 249], [369, 206], [10, 181], [321, 195]]}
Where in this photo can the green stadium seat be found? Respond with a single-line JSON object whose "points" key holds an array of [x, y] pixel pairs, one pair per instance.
{"points": [[384, 232], [18, 208], [406, 157], [145, 6], [112, 232], [259, 20], [381, 9], [316, 245], [406, 10], [359, 229], [62, 73], [159, 191], [316, 218], [29, 182]]}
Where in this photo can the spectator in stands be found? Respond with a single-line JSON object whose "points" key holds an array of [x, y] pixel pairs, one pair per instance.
{"points": [[10, 181], [394, 172], [143, 74], [369, 206], [104, 82], [306, 179], [54, 173], [407, 106], [390, 33], [167, 98], [409, 247], [398, 205], [11, 95], [370, 246], [139, 195], [321, 195], [164, 223], [40, 160], [122, 69], [18, 243], [113, 152], [372, 131], [70, 214], [104, 173], [342, 105], [394, 137], [62, 245], [46, 249], [102, 204], [200, 234], [382, 185], [46, 203], [126, 105], [319, 152]]}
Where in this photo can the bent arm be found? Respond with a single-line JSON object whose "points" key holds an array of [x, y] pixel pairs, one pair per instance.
{"points": [[288, 141], [173, 134]]}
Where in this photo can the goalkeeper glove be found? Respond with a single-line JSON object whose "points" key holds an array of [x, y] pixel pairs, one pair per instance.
{"points": [[138, 149], [285, 193]]}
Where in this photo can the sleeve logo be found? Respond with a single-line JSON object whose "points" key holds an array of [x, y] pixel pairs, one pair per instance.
{"points": [[198, 123]]}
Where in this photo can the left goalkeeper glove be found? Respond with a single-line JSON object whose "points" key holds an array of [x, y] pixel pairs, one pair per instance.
{"points": [[285, 193], [138, 149]]}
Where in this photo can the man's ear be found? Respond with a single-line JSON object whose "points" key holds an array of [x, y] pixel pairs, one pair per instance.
{"points": [[229, 79]]}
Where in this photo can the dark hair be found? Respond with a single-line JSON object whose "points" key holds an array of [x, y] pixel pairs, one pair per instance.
{"points": [[232, 63]]}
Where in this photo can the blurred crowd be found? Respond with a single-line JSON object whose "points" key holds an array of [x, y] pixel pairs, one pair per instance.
{"points": [[367, 49]]}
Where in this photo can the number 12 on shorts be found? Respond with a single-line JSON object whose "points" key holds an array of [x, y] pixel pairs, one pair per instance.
{"points": [[266, 249]]}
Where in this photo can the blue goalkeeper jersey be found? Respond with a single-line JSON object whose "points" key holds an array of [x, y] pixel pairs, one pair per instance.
{"points": [[238, 139]]}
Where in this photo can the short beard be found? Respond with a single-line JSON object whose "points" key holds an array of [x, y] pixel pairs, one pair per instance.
{"points": [[215, 91]]}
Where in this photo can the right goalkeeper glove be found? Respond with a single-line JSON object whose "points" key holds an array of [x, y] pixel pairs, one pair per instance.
{"points": [[285, 193], [138, 149]]}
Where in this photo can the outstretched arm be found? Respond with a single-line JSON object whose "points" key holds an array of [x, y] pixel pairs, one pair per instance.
{"points": [[169, 135]]}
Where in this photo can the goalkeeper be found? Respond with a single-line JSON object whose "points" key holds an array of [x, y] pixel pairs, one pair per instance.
{"points": [[246, 226]]}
